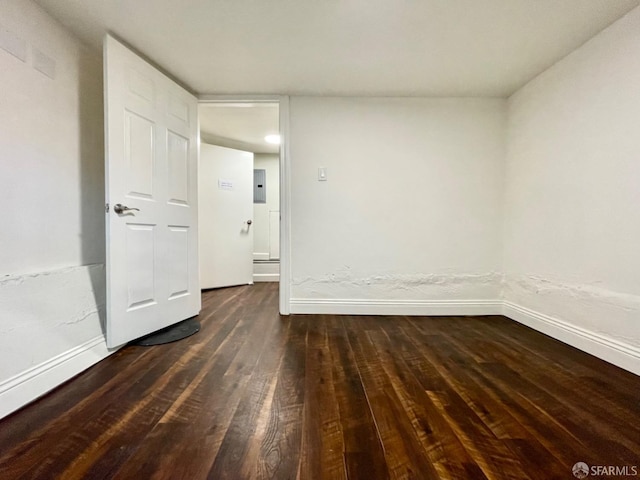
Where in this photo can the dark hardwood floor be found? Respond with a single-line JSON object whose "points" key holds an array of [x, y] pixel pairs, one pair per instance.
{"points": [[256, 395]]}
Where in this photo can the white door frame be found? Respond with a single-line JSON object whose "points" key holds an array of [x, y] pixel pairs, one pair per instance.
{"points": [[285, 183]]}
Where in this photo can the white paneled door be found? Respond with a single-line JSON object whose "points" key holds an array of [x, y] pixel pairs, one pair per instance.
{"points": [[151, 191], [226, 216]]}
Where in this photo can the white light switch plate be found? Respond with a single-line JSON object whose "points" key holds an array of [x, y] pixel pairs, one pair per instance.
{"points": [[322, 174]]}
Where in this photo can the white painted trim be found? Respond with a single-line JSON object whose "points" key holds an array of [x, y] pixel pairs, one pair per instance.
{"points": [[241, 98], [27, 386], [395, 307], [285, 183], [261, 255], [606, 348], [266, 277], [285, 209]]}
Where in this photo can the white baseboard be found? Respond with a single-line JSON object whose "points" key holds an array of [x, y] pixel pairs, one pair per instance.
{"points": [[266, 277], [395, 307], [606, 348], [261, 255], [27, 386]]}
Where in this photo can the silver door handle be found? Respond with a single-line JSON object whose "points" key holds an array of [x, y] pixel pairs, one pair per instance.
{"points": [[119, 209]]}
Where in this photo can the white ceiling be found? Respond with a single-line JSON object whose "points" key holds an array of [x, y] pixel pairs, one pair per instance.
{"points": [[240, 126], [346, 47]]}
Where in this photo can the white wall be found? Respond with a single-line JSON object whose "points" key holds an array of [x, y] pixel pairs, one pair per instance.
{"points": [[270, 163], [410, 216], [572, 235], [51, 190]]}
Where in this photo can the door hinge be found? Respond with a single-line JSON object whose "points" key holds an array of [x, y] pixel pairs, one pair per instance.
{"points": [[106, 208]]}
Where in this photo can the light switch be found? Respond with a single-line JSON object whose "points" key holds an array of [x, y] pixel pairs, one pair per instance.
{"points": [[322, 174]]}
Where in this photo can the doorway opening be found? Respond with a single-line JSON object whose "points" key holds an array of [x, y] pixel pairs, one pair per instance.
{"points": [[244, 128]]}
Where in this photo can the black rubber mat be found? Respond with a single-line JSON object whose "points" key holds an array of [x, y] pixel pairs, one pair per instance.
{"points": [[173, 333]]}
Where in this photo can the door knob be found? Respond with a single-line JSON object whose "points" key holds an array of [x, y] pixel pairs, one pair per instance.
{"points": [[119, 208], [249, 222]]}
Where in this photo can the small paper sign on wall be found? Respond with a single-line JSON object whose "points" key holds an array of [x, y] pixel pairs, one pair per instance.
{"points": [[225, 184]]}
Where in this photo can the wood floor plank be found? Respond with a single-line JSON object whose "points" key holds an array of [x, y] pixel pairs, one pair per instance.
{"points": [[403, 454], [509, 397], [238, 451], [363, 451], [282, 440], [581, 418], [255, 395], [323, 438], [227, 370], [562, 382], [481, 443], [438, 441]]}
